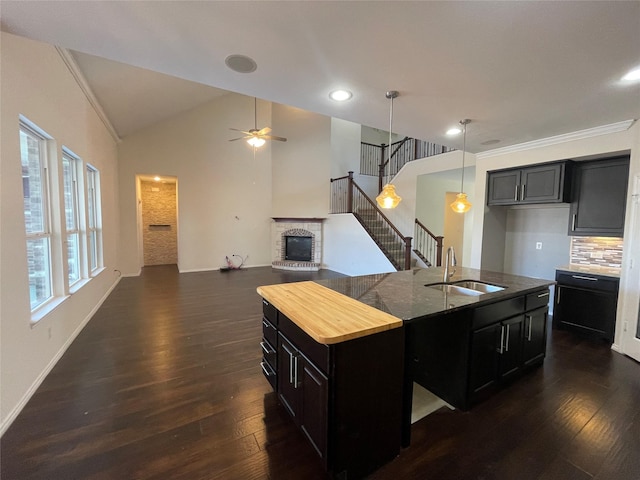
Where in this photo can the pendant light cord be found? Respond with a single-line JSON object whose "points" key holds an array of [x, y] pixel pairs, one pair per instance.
{"points": [[391, 94], [464, 148]]}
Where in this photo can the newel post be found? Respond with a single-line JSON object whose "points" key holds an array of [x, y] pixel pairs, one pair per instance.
{"points": [[350, 194], [407, 253], [439, 251]]}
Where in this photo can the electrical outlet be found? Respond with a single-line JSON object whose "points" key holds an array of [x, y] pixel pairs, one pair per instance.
{"points": [[538, 245]]}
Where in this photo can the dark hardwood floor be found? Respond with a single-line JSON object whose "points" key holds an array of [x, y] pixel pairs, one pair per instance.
{"points": [[165, 383]]}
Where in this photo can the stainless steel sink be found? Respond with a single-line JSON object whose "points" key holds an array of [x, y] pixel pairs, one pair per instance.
{"points": [[478, 286], [470, 288], [455, 289]]}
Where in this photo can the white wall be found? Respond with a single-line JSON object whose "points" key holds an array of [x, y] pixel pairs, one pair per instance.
{"points": [[349, 249], [224, 190], [302, 165], [36, 83]]}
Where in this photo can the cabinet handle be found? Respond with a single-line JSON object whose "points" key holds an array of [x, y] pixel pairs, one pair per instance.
{"points": [[530, 318], [506, 348], [290, 363], [501, 339], [543, 295], [573, 223], [522, 192], [265, 349], [581, 277], [558, 290], [265, 323], [295, 374], [515, 198], [264, 302], [264, 369]]}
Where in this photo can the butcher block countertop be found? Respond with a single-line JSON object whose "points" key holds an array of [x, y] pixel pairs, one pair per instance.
{"points": [[325, 315]]}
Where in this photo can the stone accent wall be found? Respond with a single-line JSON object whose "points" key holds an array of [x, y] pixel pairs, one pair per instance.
{"points": [[599, 251], [294, 227], [159, 223]]}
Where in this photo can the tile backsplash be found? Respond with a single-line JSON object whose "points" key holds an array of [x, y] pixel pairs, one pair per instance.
{"points": [[600, 251]]}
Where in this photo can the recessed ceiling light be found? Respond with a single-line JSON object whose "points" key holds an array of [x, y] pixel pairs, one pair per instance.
{"points": [[241, 63], [632, 76], [454, 131], [340, 95]]}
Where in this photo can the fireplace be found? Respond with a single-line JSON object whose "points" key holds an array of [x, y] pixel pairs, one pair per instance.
{"points": [[297, 248], [297, 244]]}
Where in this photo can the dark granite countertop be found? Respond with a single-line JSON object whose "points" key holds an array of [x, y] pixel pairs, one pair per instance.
{"points": [[404, 295], [591, 269]]}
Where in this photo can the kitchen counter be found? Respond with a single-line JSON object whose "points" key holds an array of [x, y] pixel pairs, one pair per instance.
{"points": [[404, 295], [591, 269]]}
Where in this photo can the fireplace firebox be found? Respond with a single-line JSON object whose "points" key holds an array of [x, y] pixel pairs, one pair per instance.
{"points": [[298, 248]]}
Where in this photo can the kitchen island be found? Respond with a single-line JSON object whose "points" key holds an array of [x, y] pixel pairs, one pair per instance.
{"points": [[342, 354]]}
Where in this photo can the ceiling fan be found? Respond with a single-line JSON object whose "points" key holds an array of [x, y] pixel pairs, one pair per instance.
{"points": [[255, 137]]}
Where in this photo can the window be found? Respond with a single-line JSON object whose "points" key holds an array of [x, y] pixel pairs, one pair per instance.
{"points": [[36, 214], [70, 164], [94, 230]]}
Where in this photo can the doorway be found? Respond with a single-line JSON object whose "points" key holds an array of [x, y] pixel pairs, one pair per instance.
{"points": [[631, 303], [453, 228], [158, 219]]}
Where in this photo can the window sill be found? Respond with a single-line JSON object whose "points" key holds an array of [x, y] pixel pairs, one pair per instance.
{"points": [[78, 285], [46, 309]]}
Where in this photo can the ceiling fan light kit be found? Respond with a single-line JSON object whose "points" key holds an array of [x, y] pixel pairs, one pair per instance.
{"points": [[388, 197], [256, 138]]}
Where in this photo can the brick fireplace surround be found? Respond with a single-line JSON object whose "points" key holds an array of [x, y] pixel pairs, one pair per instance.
{"points": [[296, 227]]}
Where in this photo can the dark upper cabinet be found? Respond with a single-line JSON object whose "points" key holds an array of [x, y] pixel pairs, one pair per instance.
{"points": [[599, 197], [544, 183]]}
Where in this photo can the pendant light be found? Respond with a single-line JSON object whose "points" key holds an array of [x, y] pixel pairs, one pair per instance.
{"points": [[461, 204], [388, 197]]}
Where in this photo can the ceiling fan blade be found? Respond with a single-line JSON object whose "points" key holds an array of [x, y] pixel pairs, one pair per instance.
{"points": [[264, 131], [241, 131], [239, 138], [273, 137]]}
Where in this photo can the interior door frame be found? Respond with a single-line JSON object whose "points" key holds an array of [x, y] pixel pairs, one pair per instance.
{"points": [[629, 304]]}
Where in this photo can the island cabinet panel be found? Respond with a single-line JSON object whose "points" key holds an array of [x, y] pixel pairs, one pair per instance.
{"points": [[543, 183], [463, 356], [346, 397]]}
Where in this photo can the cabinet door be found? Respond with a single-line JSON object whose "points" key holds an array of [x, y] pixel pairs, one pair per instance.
{"points": [[542, 184], [599, 198], [587, 311], [534, 343], [511, 348], [483, 364], [502, 187], [288, 363], [314, 404]]}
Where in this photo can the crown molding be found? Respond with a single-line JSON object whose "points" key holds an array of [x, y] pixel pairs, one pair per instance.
{"points": [[566, 137], [80, 79]]}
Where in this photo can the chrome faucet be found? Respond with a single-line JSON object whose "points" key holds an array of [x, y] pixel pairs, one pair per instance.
{"points": [[449, 260]]}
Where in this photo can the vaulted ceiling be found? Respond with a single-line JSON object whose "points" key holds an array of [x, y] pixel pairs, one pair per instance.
{"points": [[520, 70]]}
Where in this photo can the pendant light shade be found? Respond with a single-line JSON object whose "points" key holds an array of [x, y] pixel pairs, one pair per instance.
{"points": [[388, 197], [461, 204]]}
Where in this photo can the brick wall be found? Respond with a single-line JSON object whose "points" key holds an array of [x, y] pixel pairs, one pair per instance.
{"points": [[159, 221]]}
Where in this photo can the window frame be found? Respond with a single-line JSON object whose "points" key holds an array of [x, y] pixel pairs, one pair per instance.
{"points": [[45, 233], [74, 168], [94, 220]]}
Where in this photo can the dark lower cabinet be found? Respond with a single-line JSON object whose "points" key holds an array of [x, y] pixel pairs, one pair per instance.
{"points": [[586, 304], [303, 390], [464, 356], [346, 398]]}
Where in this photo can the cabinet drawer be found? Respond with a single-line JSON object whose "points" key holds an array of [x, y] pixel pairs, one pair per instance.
{"points": [[483, 316], [537, 300], [270, 374], [269, 353], [588, 281], [318, 353], [270, 312], [269, 331]]}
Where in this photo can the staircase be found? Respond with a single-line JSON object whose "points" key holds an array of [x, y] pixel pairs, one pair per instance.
{"points": [[348, 197], [389, 242]]}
